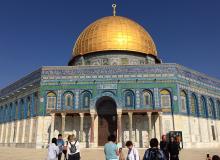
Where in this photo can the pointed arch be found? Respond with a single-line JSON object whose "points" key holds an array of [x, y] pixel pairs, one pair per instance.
{"points": [[183, 100], [147, 97], [36, 102], [68, 99], [28, 107], [129, 99], [165, 98], [51, 100], [16, 110], [21, 109], [193, 104], [218, 109], [10, 112], [202, 109], [211, 108], [86, 98]]}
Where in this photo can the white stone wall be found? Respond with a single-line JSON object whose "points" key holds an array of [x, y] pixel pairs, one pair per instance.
{"points": [[196, 131], [1, 125]]}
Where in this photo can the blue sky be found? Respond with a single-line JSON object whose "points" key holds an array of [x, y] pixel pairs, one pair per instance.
{"points": [[35, 33]]}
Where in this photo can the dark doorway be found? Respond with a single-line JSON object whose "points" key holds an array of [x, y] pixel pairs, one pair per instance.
{"points": [[107, 119]]}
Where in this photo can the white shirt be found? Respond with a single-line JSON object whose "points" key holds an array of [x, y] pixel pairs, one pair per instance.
{"points": [[53, 152], [133, 154], [69, 146]]}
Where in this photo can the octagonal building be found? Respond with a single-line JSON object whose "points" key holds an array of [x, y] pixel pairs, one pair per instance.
{"points": [[114, 83]]}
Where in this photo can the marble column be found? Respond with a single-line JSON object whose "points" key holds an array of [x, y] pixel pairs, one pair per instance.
{"points": [[6, 133], [31, 131], [200, 134], [160, 124], [81, 126], [119, 127], [23, 132], [149, 125], [1, 133], [52, 125], [92, 128], [130, 114], [208, 128], [63, 123], [17, 131], [12, 132]]}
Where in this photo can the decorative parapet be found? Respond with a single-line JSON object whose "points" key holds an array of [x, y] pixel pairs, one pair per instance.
{"points": [[68, 74], [65, 75]]}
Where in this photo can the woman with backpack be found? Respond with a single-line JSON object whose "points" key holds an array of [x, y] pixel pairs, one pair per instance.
{"points": [[72, 147]]}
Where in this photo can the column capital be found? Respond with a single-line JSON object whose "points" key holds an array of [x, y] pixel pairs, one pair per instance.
{"points": [[149, 114], [63, 114], [92, 111], [52, 114], [130, 114], [119, 114], [119, 111], [81, 114]]}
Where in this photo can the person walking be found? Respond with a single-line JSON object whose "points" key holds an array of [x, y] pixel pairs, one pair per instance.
{"points": [[164, 146], [173, 148], [53, 150], [60, 144], [111, 149], [132, 151], [154, 152], [72, 146]]}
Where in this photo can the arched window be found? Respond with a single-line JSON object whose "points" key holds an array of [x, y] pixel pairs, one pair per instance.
{"points": [[165, 98], [51, 100], [36, 103], [21, 109], [6, 113], [218, 107], [11, 112], [147, 98], [193, 105], [86, 99], [211, 110], [16, 111], [183, 101], [129, 99], [68, 99], [202, 108], [1, 114], [28, 107]]}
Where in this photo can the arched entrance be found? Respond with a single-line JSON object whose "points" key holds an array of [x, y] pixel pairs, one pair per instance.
{"points": [[107, 119]]}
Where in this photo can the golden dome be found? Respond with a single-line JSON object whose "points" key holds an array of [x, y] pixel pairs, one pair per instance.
{"points": [[114, 33]]}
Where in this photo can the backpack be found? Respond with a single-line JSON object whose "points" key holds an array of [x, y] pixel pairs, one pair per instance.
{"points": [[153, 154], [73, 148]]}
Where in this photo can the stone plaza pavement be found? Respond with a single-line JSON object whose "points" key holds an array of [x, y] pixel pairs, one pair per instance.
{"points": [[7, 153]]}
